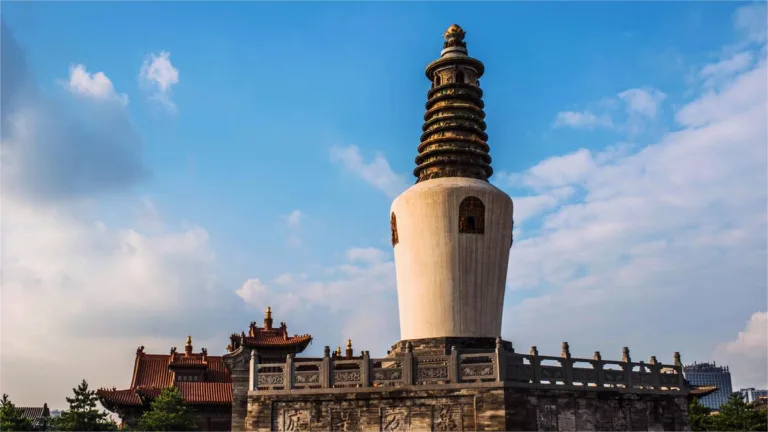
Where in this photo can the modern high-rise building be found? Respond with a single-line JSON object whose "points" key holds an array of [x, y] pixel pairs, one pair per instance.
{"points": [[709, 374], [751, 394]]}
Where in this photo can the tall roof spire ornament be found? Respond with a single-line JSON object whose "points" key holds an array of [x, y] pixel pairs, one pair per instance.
{"points": [[188, 346], [453, 142], [268, 318], [454, 41]]}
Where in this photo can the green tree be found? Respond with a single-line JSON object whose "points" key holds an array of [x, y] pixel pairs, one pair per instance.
{"points": [[738, 415], [12, 418], [82, 414], [168, 412], [700, 416]]}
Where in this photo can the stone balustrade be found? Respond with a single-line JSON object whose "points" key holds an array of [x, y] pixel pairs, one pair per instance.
{"points": [[499, 365]]}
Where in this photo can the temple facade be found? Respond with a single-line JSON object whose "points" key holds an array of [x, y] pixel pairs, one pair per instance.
{"points": [[214, 386], [451, 370]]}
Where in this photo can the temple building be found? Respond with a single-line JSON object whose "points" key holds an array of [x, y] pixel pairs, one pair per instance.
{"points": [[203, 380], [451, 370]]}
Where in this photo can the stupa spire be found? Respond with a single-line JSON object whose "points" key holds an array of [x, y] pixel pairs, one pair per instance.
{"points": [[453, 142]]}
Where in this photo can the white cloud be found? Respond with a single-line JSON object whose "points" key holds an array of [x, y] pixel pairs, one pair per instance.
{"points": [[81, 285], [358, 293], [750, 22], [747, 355], [294, 219], [659, 233], [713, 73], [293, 224], [96, 86], [45, 145], [642, 101], [160, 75], [378, 173], [582, 120], [560, 170], [744, 92]]}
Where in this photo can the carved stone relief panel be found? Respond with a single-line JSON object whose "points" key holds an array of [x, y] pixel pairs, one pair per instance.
{"points": [[395, 420], [293, 420], [447, 418], [345, 419], [547, 416]]}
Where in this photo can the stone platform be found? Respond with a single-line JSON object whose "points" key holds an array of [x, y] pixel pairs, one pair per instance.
{"points": [[443, 345], [478, 390]]}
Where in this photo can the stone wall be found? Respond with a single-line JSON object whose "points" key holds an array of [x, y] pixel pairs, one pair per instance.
{"points": [[490, 406]]}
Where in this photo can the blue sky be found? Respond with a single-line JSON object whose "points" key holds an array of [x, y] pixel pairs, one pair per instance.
{"points": [[257, 163]]}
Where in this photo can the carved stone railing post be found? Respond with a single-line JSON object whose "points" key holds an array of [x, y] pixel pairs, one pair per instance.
{"points": [[567, 363], [597, 365], [655, 372], [366, 373], [288, 373], [325, 368], [501, 361], [535, 365], [408, 364], [253, 379], [627, 366], [679, 368], [453, 365]]}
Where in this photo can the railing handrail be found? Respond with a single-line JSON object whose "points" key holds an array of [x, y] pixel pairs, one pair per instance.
{"points": [[504, 366]]}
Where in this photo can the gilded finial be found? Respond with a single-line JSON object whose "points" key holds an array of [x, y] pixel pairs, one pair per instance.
{"points": [[189, 340], [349, 343], [454, 32], [268, 313]]}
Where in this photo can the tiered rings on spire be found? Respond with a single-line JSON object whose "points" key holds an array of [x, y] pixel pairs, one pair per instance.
{"points": [[454, 140]]}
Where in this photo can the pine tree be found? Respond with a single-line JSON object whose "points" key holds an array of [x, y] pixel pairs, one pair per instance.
{"points": [[168, 412], [12, 418], [82, 414], [700, 416], [738, 415]]}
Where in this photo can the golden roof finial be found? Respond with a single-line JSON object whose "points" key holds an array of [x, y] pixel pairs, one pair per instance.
{"points": [[455, 31], [349, 343], [268, 313], [189, 340]]}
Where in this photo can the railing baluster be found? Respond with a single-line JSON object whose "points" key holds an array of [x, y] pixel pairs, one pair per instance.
{"points": [[408, 364], [536, 365], [253, 379], [366, 372], [501, 361], [453, 365], [627, 367], [655, 373], [567, 364], [288, 373], [679, 368], [325, 368], [599, 371]]}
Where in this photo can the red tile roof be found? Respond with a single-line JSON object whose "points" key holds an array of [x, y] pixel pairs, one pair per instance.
{"points": [[154, 372], [270, 337]]}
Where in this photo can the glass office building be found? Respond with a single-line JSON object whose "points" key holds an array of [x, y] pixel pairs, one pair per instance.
{"points": [[704, 374]]}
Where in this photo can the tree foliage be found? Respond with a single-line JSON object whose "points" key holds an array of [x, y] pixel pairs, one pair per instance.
{"points": [[82, 414], [700, 416], [12, 418], [734, 415], [738, 415], [168, 412]]}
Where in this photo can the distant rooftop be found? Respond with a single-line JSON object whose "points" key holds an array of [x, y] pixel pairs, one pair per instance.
{"points": [[705, 368]]}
